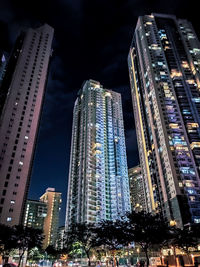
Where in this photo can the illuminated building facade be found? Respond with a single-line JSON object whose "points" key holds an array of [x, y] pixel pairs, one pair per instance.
{"points": [[35, 213], [98, 186], [137, 189], [21, 98], [60, 238], [164, 67], [51, 222]]}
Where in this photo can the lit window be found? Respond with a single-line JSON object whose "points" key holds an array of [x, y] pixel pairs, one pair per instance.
{"points": [[185, 64], [175, 73], [9, 219], [195, 145], [173, 125], [196, 99], [108, 94]]}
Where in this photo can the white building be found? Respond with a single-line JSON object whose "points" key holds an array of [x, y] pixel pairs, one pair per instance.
{"points": [[98, 185]]}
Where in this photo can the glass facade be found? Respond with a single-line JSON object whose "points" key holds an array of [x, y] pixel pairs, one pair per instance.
{"points": [[164, 63], [98, 186]]}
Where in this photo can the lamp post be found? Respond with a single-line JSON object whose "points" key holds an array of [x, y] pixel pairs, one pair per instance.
{"points": [[138, 252]]}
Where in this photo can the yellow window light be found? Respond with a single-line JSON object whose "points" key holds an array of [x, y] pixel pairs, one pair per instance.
{"points": [[195, 145], [191, 125], [174, 125], [191, 81], [175, 73], [185, 64]]}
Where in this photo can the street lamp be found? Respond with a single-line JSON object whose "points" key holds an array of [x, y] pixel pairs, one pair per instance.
{"points": [[172, 223], [138, 251]]}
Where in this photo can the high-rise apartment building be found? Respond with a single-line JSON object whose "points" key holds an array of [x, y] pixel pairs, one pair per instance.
{"points": [[98, 186], [137, 189], [35, 213], [21, 99], [51, 222], [60, 238], [164, 67]]}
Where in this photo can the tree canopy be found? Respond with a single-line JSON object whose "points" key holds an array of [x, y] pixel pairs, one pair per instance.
{"points": [[83, 233]]}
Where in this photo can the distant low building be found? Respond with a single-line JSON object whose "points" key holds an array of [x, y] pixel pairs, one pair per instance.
{"points": [[51, 222], [137, 189], [35, 213]]}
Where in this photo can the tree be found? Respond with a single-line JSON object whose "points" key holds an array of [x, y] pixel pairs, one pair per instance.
{"points": [[85, 235], [147, 230], [7, 241], [184, 238], [99, 252], [112, 235], [35, 254], [27, 238], [52, 252]]}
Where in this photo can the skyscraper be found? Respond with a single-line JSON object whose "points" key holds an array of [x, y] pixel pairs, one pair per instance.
{"points": [[21, 100], [164, 65], [51, 222], [137, 189], [35, 213], [98, 186]]}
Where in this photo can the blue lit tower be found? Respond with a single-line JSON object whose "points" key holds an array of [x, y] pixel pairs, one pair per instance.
{"points": [[164, 65], [98, 185]]}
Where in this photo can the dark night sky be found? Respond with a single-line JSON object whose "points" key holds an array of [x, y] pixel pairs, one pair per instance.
{"points": [[92, 39]]}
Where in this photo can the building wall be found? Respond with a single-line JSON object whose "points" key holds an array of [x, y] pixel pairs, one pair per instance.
{"points": [[51, 221], [19, 121], [98, 187], [35, 213], [60, 238], [137, 189], [164, 71]]}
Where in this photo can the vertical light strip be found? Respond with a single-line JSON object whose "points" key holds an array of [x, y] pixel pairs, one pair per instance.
{"points": [[142, 134]]}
